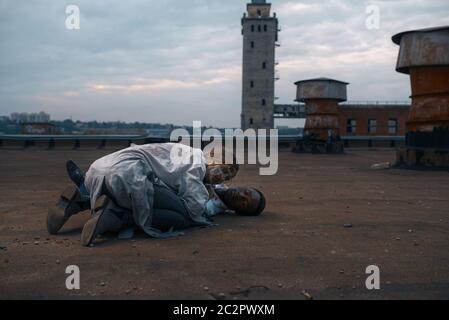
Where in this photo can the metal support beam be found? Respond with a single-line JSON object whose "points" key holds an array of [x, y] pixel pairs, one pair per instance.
{"points": [[102, 144], [51, 144], [29, 143], [393, 144]]}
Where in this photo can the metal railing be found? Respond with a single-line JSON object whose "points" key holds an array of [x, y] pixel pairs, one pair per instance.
{"points": [[103, 140], [21, 137], [31, 140], [377, 102]]}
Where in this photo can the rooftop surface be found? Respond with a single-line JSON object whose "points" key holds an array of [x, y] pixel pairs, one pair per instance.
{"points": [[398, 221]]}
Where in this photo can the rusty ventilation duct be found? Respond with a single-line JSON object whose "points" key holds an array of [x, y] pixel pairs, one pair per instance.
{"points": [[322, 130], [424, 55]]}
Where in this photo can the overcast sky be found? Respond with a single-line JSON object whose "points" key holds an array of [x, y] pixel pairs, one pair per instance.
{"points": [[175, 61]]}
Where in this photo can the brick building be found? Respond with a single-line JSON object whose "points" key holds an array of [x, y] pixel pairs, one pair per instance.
{"points": [[372, 119], [39, 128], [260, 38]]}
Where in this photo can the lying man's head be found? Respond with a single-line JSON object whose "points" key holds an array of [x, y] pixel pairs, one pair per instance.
{"points": [[244, 201]]}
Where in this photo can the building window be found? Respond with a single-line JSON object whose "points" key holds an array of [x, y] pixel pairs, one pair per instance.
{"points": [[264, 102], [252, 44], [265, 28], [393, 126], [264, 65], [259, 13], [372, 126], [252, 28], [251, 84], [251, 121], [351, 126], [259, 28]]}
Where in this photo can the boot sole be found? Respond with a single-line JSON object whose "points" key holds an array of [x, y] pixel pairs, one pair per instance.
{"points": [[89, 233], [67, 206], [55, 220]]}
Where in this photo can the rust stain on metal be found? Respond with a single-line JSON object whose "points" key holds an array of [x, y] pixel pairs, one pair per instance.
{"points": [[322, 131], [424, 55], [322, 118], [425, 47], [322, 96], [430, 98]]}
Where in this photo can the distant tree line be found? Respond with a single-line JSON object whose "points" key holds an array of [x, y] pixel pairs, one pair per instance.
{"points": [[69, 126], [8, 126]]}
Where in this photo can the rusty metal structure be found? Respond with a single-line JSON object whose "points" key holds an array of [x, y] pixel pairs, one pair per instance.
{"points": [[321, 132], [424, 55]]}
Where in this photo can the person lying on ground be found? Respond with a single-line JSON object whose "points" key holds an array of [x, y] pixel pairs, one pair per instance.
{"points": [[143, 187]]}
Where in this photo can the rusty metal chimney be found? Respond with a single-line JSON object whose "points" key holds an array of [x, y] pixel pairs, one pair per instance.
{"points": [[322, 130], [424, 55]]}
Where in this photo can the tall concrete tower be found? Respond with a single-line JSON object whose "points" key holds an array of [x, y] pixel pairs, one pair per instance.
{"points": [[260, 34]]}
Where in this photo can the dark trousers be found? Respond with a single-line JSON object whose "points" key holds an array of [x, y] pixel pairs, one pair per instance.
{"points": [[169, 211]]}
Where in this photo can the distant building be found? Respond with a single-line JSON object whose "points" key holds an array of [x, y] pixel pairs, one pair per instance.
{"points": [[260, 36], [373, 120], [360, 118], [260, 39], [40, 117], [39, 128], [114, 131]]}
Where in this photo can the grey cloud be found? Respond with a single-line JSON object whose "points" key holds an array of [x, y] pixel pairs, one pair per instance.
{"points": [[178, 61]]}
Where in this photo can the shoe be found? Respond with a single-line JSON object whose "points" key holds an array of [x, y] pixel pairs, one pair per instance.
{"points": [[75, 173], [102, 221], [55, 220], [91, 229], [69, 204]]}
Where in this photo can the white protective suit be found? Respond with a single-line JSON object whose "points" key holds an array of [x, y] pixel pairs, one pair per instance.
{"points": [[129, 175]]}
